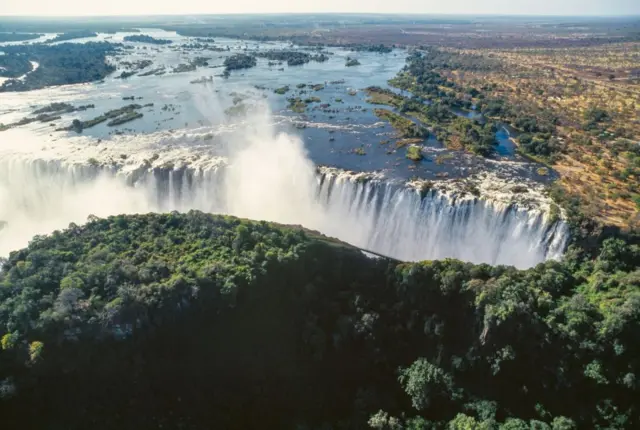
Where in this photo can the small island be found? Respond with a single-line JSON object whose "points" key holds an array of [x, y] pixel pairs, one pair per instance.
{"points": [[293, 58], [144, 38], [238, 62], [116, 116], [351, 62]]}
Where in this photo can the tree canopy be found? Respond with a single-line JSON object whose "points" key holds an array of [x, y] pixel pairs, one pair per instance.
{"points": [[199, 321]]}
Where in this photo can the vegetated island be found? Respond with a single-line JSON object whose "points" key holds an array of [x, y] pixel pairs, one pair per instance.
{"points": [[116, 116], [196, 318], [351, 62], [62, 64], [432, 103], [238, 62], [49, 113], [299, 105], [380, 48], [293, 58], [70, 35], [18, 37], [145, 38]]}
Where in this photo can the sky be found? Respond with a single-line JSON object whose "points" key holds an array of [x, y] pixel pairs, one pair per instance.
{"points": [[170, 7]]}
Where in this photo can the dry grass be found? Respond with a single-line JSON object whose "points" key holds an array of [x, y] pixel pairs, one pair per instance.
{"points": [[568, 82]]}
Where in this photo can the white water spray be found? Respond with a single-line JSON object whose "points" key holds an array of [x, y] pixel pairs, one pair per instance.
{"points": [[269, 177]]}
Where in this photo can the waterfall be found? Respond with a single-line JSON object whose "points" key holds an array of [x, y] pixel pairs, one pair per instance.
{"points": [[37, 197], [398, 221]]}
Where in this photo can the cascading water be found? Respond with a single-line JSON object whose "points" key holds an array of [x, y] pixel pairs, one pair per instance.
{"points": [[270, 177], [393, 220], [400, 222]]}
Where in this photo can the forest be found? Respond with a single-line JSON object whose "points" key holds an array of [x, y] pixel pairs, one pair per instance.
{"points": [[13, 66], [239, 61], [199, 321], [62, 64], [145, 38], [18, 37]]}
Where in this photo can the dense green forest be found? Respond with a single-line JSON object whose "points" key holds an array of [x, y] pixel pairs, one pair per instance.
{"points": [[145, 38], [293, 58], [61, 64], [18, 37], [197, 321], [13, 66]]}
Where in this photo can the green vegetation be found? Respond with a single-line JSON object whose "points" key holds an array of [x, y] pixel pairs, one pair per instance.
{"points": [[537, 128], [117, 117], [317, 87], [157, 72], [239, 61], [282, 90], [433, 102], [472, 135], [299, 105], [18, 37], [70, 35], [137, 65], [195, 318], [62, 64], [350, 62], [595, 116], [127, 117], [58, 107], [424, 77], [47, 113], [14, 65], [191, 66], [381, 48], [403, 126], [293, 58], [382, 96], [414, 153], [144, 38], [126, 74], [420, 78]]}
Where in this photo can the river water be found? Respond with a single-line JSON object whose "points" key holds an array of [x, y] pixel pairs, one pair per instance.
{"points": [[336, 131], [187, 153]]}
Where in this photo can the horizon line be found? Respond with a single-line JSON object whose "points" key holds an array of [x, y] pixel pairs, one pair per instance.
{"points": [[412, 14]]}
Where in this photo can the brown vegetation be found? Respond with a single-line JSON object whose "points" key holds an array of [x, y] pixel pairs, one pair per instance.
{"points": [[594, 93]]}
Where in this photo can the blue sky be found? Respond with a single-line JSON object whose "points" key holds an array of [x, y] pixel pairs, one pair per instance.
{"points": [[146, 7]]}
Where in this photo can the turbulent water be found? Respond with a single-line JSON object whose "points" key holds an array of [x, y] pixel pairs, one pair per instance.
{"points": [[270, 177]]}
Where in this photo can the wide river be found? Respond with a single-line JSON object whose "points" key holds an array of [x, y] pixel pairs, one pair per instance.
{"points": [[340, 131]]}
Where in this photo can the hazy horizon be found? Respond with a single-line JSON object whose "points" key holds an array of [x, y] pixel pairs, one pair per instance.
{"points": [[568, 8]]}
